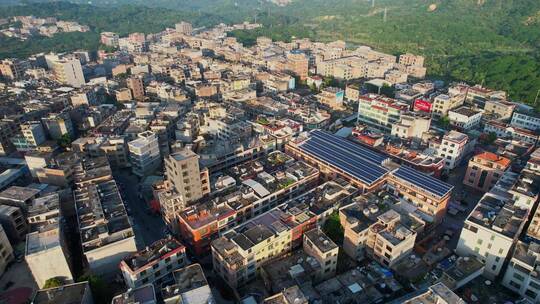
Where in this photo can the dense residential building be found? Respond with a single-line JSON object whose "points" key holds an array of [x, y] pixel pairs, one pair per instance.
{"points": [[33, 135], [500, 109], [106, 233], [184, 172], [46, 252], [13, 222], [382, 236], [69, 71], [491, 231], [255, 187], [68, 293], [379, 111], [526, 120], [484, 170], [444, 103], [144, 154], [153, 265], [521, 275], [135, 84], [190, 286], [145, 294], [13, 69], [453, 148], [438, 293], [58, 125], [464, 118], [6, 251], [109, 39], [411, 126]]}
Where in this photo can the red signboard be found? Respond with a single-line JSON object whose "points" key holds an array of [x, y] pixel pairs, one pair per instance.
{"points": [[422, 105]]}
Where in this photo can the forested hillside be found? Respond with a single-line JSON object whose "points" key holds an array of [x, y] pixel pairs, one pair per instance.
{"points": [[495, 42]]}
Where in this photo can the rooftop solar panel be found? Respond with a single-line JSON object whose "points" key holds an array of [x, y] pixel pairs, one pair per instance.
{"points": [[424, 181], [353, 159]]}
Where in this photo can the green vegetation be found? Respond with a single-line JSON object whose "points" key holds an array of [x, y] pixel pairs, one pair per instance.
{"points": [[333, 229], [53, 282], [64, 141], [493, 42], [101, 291]]}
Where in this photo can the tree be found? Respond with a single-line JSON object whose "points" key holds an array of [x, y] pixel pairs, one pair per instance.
{"points": [[53, 282], [333, 229], [445, 122], [101, 292], [64, 141]]}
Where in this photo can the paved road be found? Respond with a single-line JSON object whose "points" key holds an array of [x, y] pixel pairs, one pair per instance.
{"points": [[455, 222], [148, 228]]}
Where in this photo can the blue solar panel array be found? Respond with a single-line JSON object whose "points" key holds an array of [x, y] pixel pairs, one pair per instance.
{"points": [[424, 181], [358, 161]]}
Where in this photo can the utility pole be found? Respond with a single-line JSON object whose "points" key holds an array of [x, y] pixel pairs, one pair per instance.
{"points": [[385, 14], [536, 99], [372, 3]]}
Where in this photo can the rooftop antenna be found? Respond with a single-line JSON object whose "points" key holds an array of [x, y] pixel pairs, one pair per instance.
{"points": [[385, 14]]}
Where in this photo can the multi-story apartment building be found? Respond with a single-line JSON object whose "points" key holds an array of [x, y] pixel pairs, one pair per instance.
{"points": [[6, 251], [184, 172], [501, 109], [465, 118], [453, 148], [379, 111], [383, 236], [320, 247], [109, 39], [491, 231], [106, 233], [135, 84], [114, 148], [47, 254], [69, 293], [145, 294], [189, 283], [411, 59], [8, 129], [411, 125], [33, 135], [58, 125], [171, 203], [526, 120], [484, 170], [437, 293], [144, 154], [332, 97], [257, 187], [239, 255], [297, 63], [13, 68], [444, 103], [184, 28], [69, 71], [508, 131], [155, 264], [14, 223], [522, 273]]}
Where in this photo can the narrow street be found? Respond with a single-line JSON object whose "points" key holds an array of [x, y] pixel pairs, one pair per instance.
{"points": [[148, 227]]}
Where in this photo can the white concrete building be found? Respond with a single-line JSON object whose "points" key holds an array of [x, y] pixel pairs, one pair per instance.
{"points": [[527, 120], [490, 231], [523, 272], [411, 125], [465, 118], [144, 153], [155, 264], [453, 148], [69, 71], [46, 255]]}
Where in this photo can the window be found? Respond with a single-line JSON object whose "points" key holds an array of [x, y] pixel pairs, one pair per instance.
{"points": [[531, 294], [518, 276], [515, 285]]}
